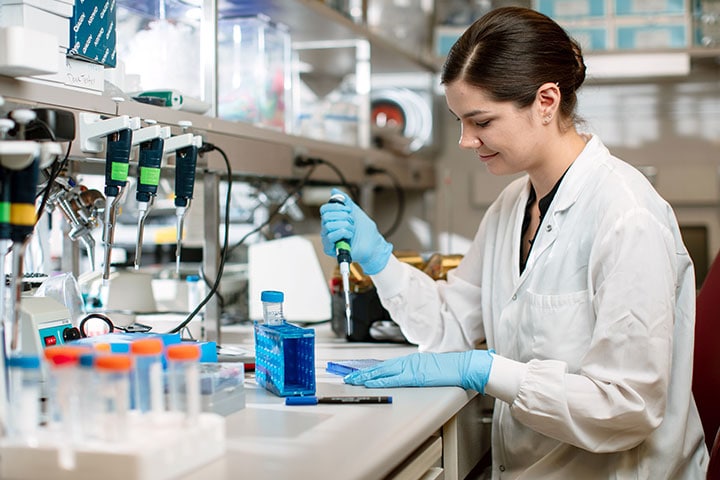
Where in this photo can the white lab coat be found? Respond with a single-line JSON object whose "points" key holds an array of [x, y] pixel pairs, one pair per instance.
{"points": [[593, 341]]}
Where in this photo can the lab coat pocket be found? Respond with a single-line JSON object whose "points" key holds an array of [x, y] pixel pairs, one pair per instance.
{"points": [[562, 326]]}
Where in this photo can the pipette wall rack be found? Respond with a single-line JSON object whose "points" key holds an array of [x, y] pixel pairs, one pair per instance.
{"points": [[285, 359], [157, 447]]}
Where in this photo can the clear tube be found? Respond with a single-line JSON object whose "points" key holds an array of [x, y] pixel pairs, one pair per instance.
{"points": [[272, 302], [114, 395], [65, 401], [24, 396], [89, 401], [184, 380], [146, 376]]}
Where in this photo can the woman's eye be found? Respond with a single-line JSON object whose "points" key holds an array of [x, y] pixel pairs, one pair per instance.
{"points": [[482, 124]]}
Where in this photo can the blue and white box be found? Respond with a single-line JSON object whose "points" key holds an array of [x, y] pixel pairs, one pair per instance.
{"points": [[571, 9], [590, 38], [642, 37], [93, 32], [656, 7]]}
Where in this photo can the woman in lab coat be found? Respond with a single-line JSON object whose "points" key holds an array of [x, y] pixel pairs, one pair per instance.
{"points": [[577, 278]]}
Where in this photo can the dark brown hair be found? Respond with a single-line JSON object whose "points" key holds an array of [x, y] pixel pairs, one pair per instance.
{"points": [[511, 51]]}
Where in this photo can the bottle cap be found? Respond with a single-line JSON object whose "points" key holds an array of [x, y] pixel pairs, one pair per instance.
{"points": [[146, 346], [70, 351], [114, 362], [87, 360], [183, 351], [272, 296], [24, 361]]}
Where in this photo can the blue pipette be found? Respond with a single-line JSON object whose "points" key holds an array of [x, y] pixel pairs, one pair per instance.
{"points": [[149, 160], [116, 172], [185, 163]]}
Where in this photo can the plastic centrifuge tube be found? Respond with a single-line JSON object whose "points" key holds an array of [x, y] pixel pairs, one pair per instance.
{"points": [[24, 395], [65, 394], [184, 380], [272, 302], [64, 385], [114, 395], [89, 400], [147, 381]]}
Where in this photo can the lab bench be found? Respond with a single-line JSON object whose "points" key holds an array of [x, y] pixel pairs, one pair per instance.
{"points": [[439, 432]]}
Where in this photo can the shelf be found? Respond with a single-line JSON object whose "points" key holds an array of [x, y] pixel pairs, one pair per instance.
{"points": [[634, 66], [253, 151], [313, 21]]}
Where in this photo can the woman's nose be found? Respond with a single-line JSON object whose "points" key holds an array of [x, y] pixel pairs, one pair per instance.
{"points": [[466, 141]]}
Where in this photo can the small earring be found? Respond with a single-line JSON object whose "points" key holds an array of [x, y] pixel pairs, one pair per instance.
{"points": [[547, 119]]}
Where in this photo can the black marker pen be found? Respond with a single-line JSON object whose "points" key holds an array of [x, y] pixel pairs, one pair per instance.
{"points": [[312, 400]]}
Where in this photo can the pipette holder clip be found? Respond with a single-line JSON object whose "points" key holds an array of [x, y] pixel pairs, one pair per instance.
{"points": [[94, 128], [285, 359]]}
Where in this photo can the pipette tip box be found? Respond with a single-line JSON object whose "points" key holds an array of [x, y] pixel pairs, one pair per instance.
{"points": [[285, 359]]}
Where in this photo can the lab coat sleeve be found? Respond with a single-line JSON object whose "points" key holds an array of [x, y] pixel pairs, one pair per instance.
{"points": [[618, 395], [437, 315]]}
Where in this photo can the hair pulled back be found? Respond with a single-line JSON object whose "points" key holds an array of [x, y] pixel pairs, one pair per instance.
{"points": [[511, 51]]}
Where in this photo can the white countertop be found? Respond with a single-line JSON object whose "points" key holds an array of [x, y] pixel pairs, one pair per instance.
{"points": [[269, 440]]}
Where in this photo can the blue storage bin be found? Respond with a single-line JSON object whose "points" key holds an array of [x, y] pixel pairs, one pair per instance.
{"points": [[651, 36], [590, 38], [575, 10], [635, 7], [285, 359]]}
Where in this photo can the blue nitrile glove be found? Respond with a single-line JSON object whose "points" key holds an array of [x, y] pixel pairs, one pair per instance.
{"points": [[349, 222], [469, 370]]}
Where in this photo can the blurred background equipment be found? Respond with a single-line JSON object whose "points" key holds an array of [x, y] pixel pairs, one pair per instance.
{"points": [[370, 321]]}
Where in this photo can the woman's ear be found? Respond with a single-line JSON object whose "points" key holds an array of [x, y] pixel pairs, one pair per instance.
{"points": [[548, 100]]}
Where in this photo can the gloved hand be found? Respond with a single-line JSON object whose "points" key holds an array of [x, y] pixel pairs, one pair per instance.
{"points": [[469, 370], [349, 222]]}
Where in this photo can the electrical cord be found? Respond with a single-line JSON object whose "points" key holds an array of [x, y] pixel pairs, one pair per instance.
{"points": [[55, 170], [399, 192], [31, 126], [277, 209], [307, 161], [208, 147]]}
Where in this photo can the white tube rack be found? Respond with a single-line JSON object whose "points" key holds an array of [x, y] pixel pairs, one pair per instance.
{"points": [[157, 447]]}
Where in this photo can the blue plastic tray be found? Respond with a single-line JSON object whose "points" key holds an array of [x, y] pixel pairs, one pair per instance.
{"points": [[285, 359]]}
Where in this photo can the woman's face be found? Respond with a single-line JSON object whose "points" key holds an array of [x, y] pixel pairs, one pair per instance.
{"points": [[506, 139]]}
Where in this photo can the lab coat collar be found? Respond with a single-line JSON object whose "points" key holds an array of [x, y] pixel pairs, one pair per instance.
{"points": [[574, 182], [578, 175]]}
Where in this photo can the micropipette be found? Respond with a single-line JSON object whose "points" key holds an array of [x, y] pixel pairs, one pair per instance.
{"points": [[116, 171], [149, 160], [5, 241], [5, 125], [342, 250], [185, 163], [22, 223]]}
